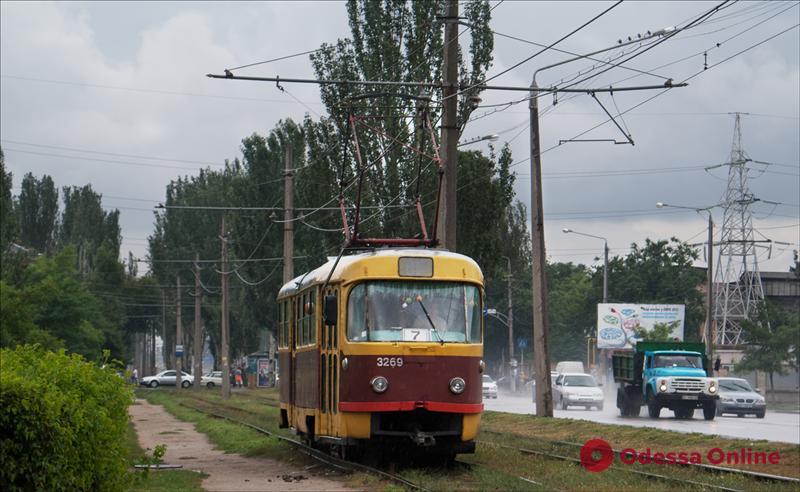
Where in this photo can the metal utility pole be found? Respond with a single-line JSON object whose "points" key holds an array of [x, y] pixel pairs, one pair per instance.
{"points": [[178, 337], [511, 328], [198, 330], [541, 355], [152, 363], [226, 369], [709, 331], [165, 348], [288, 224], [447, 212], [605, 272]]}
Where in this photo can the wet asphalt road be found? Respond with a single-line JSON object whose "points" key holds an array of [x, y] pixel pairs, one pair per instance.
{"points": [[776, 426]]}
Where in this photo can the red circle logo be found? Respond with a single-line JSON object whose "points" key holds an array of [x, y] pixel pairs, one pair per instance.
{"points": [[596, 455]]}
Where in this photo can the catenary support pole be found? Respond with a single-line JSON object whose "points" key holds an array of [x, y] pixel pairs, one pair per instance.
{"points": [[447, 212], [288, 215], [709, 331], [541, 355], [198, 327], [178, 335], [226, 367]]}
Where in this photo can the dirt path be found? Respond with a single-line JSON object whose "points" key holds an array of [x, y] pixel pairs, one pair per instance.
{"points": [[226, 472]]}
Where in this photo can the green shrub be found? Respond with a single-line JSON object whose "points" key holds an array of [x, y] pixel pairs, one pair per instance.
{"points": [[63, 422]]}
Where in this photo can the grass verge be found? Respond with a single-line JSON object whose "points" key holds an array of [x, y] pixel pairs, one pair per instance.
{"points": [[157, 480], [235, 438], [494, 466]]}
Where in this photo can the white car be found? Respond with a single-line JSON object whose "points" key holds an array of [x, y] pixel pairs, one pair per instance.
{"points": [[573, 366], [213, 378], [577, 389], [489, 387], [167, 378]]}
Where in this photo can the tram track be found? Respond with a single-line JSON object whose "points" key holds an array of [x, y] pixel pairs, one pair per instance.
{"points": [[550, 454], [687, 465], [316, 454]]}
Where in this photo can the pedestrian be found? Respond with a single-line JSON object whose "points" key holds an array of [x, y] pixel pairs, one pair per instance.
{"points": [[135, 376], [717, 364], [237, 377]]}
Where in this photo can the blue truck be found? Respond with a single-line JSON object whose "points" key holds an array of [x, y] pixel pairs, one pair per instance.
{"points": [[673, 375]]}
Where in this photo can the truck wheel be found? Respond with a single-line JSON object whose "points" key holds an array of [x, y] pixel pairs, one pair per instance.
{"points": [[709, 411], [653, 408]]}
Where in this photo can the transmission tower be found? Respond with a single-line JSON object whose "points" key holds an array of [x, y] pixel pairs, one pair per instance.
{"points": [[738, 282]]}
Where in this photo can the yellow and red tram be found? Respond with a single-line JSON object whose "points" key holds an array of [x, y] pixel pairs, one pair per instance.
{"points": [[385, 349]]}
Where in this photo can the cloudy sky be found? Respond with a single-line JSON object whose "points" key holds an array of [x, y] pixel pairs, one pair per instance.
{"points": [[114, 94]]}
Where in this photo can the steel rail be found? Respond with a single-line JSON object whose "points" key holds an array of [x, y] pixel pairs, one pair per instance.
{"points": [[655, 476], [713, 468], [314, 453]]}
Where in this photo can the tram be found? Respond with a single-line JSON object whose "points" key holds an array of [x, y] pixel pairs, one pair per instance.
{"points": [[383, 348]]}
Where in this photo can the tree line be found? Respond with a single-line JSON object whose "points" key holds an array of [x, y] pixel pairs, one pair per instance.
{"points": [[79, 295]]}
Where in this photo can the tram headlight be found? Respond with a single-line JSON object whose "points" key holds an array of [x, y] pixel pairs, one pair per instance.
{"points": [[345, 363], [481, 367], [379, 384], [457, 385]]}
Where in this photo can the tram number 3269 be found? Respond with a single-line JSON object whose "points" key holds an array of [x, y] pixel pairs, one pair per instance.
{"points": [[390, 362]]}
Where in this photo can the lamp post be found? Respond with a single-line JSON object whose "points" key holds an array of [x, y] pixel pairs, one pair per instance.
{"points": [[605, 259], [708, 335], [603, 359], [508, 322]]}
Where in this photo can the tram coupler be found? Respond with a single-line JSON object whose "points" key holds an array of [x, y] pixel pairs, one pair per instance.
{"points": [[423, 439]]}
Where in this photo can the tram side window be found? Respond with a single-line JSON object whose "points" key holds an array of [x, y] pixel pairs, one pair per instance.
{"points": [[281, 338], [305, 324], [284, 317]]}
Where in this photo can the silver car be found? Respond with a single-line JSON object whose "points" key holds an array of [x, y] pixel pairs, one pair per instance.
{"points": [[213, 378], [167, 378], [577, 389], [737, 396], [489, 387]]}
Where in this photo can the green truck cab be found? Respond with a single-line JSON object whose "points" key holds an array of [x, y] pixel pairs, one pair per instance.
{"points": [[674, 375]]}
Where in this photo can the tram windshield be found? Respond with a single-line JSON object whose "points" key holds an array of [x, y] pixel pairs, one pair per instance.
{"points": [[393, 311]]}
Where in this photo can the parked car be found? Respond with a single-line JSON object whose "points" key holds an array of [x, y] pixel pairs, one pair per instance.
{"points": [[577, 389], [573, 366], [213, 378], [489, 387], [737, 396], [167, 378]]}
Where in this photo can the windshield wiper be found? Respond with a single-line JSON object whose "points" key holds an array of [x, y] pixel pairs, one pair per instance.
{"points": [[419, 300]]}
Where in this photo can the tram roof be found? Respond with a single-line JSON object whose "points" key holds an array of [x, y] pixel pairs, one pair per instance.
{"points": [[320, 274]]}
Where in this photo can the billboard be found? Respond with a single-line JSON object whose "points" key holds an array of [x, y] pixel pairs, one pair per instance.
{"points": [[617, 324]]}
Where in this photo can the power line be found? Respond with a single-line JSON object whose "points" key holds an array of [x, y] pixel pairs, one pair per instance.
{"points": [[152, 91], [286, 57], [109, 161], [516, 65], [685, 80], [114, 154]]}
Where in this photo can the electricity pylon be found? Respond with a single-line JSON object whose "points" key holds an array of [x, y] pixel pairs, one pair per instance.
{"points": [[739, 292]]}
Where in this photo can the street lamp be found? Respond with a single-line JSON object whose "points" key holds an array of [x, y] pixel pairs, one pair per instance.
{"points": [[709, 325], [491, 138], [605, 259]]}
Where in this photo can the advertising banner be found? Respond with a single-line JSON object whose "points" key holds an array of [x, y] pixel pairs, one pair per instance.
{"points": [[263, 373], [622, 325]]}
